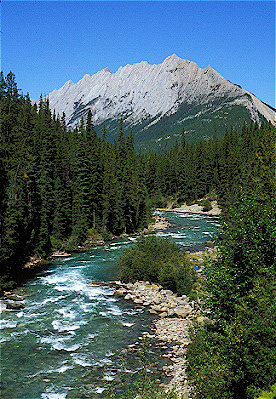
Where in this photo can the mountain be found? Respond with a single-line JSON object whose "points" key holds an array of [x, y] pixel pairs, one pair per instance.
{"points": [[159, 101]]}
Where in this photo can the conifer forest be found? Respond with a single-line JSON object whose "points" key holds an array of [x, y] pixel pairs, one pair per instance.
{"points": [[57, 186]]}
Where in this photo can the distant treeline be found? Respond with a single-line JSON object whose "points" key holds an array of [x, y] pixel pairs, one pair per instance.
{"points": [[58, 184]]}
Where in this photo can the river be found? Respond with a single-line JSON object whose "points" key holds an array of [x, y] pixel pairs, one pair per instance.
{"points": [[65, 343]]}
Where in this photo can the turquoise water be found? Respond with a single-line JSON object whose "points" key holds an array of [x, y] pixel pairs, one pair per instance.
{"points": [[65, 343], [189, 230]]}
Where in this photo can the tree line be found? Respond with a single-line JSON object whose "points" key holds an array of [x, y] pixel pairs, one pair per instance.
{"points": [[242, 160], [56, 184]]}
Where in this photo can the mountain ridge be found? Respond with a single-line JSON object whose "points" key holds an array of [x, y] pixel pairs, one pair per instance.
{"points": [[142, 93]]}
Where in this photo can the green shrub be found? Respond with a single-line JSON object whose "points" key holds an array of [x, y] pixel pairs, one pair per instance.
{"points": [[212, 196], [234, 357], [206, 205], [156, 259], [6, 283], [190, 202], [268, 395]]}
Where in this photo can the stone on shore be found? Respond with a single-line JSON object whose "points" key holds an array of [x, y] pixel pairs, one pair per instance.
{"points": [[15, 305], [183, 311]]}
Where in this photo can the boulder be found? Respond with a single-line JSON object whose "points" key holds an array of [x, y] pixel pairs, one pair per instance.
{"points": [[120, 291], [157, 308], [138, 300], [15, 305], [183, 311], [202, 319]]}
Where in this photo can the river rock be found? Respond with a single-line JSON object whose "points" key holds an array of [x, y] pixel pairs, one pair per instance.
{"points": [[14, 297], [157, 308], [202, 319], [183, 311], [15, 305], [120, 291], [137, 300], [166, 292]]}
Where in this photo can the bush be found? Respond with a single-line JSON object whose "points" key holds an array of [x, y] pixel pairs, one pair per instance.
{"points": [[212, 196], [6, 283], [268, 395], [156, 259], [234, 357], [206, 205]]}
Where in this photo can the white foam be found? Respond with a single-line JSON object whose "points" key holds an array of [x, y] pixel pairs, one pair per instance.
{"points": [[99, 389], [81, 360], [61, 326], [87, 307], [115, 310], [91, 336], [127, 324], [63, 368], [53, 339], [20, 314], [4, 339], [66, 313], [7, 324], [178, 235], [52, 395], [2, 306], [53, 299], [60, 346], [109, 377]]}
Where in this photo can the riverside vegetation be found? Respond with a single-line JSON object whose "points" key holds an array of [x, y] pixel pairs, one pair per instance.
{"points": [[57, 184]]}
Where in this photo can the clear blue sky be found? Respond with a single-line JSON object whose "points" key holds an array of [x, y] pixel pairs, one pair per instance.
{"points": [[46, 43]]}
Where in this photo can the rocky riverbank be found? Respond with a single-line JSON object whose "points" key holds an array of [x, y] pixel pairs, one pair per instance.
{"points": [[171, 328], [195, 208], [160, 223]]}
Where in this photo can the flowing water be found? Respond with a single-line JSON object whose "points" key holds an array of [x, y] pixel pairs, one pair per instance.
{"points": [[66, 342]]}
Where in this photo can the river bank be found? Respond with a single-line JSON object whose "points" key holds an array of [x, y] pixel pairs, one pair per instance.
{"points": [[195, 208], [175, 315], [167, 333], [159, 223]]}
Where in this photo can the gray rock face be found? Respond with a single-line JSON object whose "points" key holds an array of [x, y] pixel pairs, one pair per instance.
{"points": [[142, 91]]}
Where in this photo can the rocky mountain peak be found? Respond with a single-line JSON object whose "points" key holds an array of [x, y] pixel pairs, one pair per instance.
{"points": [[144, 94]]}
